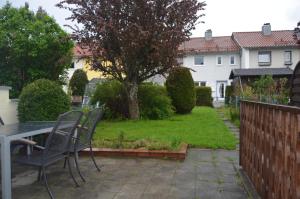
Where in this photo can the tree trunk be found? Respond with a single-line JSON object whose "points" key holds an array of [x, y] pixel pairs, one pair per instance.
{"points": [[133, 104]]}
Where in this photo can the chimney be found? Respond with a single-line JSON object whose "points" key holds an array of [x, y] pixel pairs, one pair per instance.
{"points": [[208, 34], [266, 29]]}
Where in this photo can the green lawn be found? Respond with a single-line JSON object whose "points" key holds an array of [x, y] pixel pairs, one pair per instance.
{"points": [[203, 128]]}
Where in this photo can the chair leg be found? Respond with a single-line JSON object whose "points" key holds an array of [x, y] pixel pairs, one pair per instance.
{"points": [[46, 182], [65, 163], [93, 158], [77, 166], [39, 174], [70, 171]]}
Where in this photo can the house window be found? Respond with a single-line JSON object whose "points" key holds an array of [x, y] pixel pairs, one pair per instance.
{"points": [[199, 60], [72, 65], [264, 58], [202, 83], [288, 57], [232, 60], [219, 60]]}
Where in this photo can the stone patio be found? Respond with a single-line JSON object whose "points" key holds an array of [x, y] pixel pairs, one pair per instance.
{"points": [[205, 174]]}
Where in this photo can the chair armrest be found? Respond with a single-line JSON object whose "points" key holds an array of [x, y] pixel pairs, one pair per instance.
{"points": [[29, 142], [26, 141], [39, 147], [82, 128]]}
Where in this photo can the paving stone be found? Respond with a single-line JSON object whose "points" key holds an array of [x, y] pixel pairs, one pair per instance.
{"points": [[205, 174], [208, 191], [183, 193]]}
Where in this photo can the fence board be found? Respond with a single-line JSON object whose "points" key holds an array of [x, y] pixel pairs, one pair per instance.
{"points": [[270, 148]]}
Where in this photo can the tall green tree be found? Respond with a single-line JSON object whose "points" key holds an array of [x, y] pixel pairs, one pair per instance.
{"points": [[32, 46], [139, 39]]}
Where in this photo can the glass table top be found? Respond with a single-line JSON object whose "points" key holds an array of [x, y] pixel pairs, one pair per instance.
{"points": [[19, 128]]}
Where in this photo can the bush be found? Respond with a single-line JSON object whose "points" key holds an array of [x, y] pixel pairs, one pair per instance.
{"points": [[181, 89], [154, 102], [228, 94], [235, 116], [78, 82], [112, 94], [42, 100], [203, 96]]}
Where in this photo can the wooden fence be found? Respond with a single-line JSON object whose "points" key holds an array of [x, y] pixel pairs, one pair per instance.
{"points": [[270, 148]]}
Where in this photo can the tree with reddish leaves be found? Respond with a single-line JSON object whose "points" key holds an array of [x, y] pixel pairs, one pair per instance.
{"points": [[133, 40]]}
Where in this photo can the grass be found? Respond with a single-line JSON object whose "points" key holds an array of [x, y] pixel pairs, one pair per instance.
{"points": [[201, 129]]}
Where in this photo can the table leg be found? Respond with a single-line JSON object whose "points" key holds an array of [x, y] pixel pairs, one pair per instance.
{"points": [[6, 168]]}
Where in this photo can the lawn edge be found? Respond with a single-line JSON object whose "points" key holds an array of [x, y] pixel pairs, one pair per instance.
{"points": [[143, 153]]}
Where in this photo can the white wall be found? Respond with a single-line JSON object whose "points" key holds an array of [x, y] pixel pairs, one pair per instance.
{"points": [[277, 58], [211, 72], [78, 64], [8, 108]]}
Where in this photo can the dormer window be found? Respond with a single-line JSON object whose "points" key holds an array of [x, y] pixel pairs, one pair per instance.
{"points": [[264, 58], [288, 57]]}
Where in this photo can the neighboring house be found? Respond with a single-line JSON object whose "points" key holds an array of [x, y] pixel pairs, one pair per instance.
{"points": [[216, 61], [81, 61], [243, 55], [211, 60]]}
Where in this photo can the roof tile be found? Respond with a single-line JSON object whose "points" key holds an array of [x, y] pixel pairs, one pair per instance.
{"points": [[280, 38], [216, 44]]}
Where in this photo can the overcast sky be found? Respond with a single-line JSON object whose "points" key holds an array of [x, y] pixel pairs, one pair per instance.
{"points": [[222, 16]]}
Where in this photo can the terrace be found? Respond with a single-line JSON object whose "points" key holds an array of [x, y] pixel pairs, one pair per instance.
{"points": [[204, 174]]}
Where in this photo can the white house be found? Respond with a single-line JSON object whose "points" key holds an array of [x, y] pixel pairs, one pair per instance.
{"points": [[211, 60], [214, 59]]}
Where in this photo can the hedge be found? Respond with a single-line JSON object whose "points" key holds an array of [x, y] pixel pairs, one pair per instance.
{"points": [[228, 94], [203, 96], [42, 100], [78, 82], [181, 89]]}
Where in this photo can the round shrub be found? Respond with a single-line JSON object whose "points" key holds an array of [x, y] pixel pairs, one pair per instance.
{"points": [[181, 89], [112, 94], [203, 96], [78, 82], [154, 102], [228, 94], [42, 100]]}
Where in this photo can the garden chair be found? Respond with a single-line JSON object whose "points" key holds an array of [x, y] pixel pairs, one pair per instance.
{"points": [[56, 147], [83, 139]]}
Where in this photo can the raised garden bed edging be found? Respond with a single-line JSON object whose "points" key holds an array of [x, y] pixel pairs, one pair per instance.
{"points": [[176, 155]]}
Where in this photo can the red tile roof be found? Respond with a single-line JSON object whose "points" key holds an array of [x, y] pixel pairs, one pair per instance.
{"points": [[216, 44], [81, 52], [280, 38]]}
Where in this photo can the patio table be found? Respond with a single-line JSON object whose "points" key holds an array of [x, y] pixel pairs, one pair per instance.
{"points": [[12, 132]]}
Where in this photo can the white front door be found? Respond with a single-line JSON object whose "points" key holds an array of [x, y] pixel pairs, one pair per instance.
{"points": [[220, 91]]}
